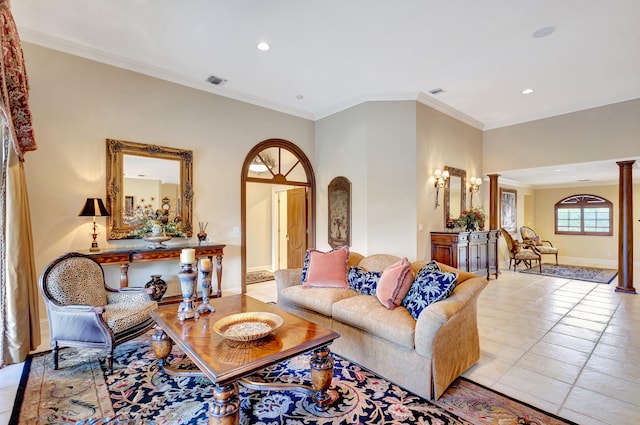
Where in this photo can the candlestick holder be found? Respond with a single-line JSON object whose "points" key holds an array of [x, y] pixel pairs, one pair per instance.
{"points": [[205, 284], [187, 278]]}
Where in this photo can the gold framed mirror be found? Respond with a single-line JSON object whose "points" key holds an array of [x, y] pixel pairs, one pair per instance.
{"points": [[142, 175], [455, 194]]}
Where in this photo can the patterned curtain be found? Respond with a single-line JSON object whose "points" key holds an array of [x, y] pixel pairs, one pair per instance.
{"points": [[19, 314]]}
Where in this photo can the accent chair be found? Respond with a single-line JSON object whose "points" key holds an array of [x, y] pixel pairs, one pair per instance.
{"points": [[84, 312], [531, 239], [519, 253]]}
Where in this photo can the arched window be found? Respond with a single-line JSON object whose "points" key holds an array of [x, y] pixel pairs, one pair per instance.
{"points": [[584, 215]]}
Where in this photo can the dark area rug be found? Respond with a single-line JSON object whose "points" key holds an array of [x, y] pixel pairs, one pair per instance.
{"points": [[259, 276], [80, 393], [589, 274]]}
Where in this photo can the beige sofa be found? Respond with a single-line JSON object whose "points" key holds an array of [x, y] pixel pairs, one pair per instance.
{"points": [[424, 356]]}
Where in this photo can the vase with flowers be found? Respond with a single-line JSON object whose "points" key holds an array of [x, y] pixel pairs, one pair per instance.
{"points": [[472, 219], [154, 225]]}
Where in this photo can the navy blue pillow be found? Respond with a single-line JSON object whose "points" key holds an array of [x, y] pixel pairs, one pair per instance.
{"points": [[428, 287], [305, 267], [362, 281]]}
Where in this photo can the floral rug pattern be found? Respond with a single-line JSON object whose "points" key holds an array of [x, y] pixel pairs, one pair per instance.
{"points": [[78, 391]]}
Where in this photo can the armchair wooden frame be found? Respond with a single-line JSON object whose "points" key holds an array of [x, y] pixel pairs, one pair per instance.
{"points": [[519, 254], [542, 246]]}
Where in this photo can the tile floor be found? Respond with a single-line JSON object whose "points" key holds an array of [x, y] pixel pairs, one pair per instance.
{"points": [[569, 347]]}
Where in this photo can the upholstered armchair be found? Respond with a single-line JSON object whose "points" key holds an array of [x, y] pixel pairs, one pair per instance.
{"points": [[542, 246], [84, 312], [519, 253]]}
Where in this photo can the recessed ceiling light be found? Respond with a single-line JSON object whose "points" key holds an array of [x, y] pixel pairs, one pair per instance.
{"points": [[263, 46], [527, 91], [543, 32], [299, 97]]}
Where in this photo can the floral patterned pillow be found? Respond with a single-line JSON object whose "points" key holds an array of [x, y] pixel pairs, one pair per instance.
{"points": [[362, 281], [428, 287]]}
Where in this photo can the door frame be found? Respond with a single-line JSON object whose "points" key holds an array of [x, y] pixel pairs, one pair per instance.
{"points": [[278, 179]]}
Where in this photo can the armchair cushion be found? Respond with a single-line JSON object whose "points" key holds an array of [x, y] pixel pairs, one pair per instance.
{"points": [[122, 316]]}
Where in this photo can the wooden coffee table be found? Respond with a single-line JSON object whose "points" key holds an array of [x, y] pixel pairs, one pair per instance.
{"points": [[226, 363]]}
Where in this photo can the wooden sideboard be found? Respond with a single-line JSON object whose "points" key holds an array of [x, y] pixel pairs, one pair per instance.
{"points": [[475, 252], [125, 256]]}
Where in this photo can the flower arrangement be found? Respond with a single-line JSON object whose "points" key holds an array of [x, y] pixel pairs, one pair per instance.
{"points": [[150, 221], [472, 219]]}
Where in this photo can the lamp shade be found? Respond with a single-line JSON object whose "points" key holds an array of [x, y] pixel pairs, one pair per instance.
{"points": [[94, 208]]}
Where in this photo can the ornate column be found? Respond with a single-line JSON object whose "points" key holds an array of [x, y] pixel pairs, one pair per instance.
{"points": [[494, 205], [625, 228]]}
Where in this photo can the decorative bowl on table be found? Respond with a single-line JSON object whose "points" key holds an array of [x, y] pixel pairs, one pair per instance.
{"points": [[156, 241], [247, 326]]}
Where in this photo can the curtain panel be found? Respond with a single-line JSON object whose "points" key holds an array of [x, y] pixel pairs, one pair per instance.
{"points": [[19, 313]]}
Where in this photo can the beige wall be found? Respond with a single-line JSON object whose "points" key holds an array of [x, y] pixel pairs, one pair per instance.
{"points": [[389, 151], [442, 140], [77, 104], [341, 150], [607, 132], [598, 250], [259, 230]]}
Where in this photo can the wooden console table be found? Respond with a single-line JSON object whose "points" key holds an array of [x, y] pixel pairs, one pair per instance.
{"points": [[125, 256], [475, 252]]}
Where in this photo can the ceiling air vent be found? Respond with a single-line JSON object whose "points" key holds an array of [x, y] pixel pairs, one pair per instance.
{"points": [[436, 91], [216, 81]]}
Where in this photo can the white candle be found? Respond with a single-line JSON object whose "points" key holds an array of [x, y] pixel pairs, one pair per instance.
{"points": [[205, 264], [188, 256]]}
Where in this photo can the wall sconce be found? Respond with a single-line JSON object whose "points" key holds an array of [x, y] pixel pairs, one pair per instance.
{"points": [[440, 178], [474, 187], [94, 207]]}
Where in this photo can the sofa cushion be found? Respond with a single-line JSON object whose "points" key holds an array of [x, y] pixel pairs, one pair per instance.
{"points": [[428, 287], [362, 281], [319, 300], [325, 269], [366, 313], [394, 283]]}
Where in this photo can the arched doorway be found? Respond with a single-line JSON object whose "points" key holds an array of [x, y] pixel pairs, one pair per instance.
{"points": [[283, 165]]}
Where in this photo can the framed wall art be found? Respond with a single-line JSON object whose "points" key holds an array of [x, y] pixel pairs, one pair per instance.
{"points": [[508, 210], [339, 219]]}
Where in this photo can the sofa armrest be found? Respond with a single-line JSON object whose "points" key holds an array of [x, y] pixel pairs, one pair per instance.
{"points": [[435, 316], [287, 277], [447, 333]]}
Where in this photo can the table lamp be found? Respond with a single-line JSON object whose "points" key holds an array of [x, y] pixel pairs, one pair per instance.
{"points": [[94, 208]]}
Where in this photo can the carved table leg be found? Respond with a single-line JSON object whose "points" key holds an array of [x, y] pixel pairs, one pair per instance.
{"points": [[321, 376], [225, 409], [161, 344]]}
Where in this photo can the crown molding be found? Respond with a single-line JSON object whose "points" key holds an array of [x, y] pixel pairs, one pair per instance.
{"points": [[432, 102], [86, 52]]}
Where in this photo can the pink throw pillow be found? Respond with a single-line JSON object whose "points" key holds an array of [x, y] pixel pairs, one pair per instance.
{"points": [[394, 284], [327, 269]]}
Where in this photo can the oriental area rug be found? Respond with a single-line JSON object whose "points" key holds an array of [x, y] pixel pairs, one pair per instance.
{"points": [[80, 393], [589, 274]]}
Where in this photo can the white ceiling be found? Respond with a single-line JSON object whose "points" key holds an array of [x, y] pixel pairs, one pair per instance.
{"points": [[328, 55]]}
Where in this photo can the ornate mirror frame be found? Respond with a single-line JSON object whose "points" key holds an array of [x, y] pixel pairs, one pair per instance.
{"points": [[462, 174], [116, 149]]}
